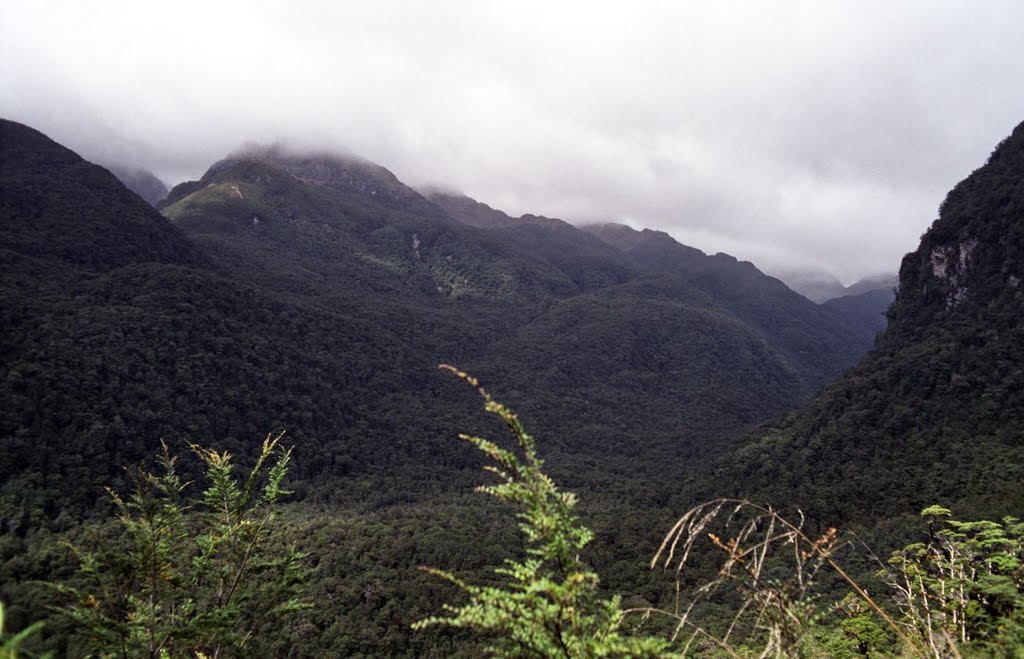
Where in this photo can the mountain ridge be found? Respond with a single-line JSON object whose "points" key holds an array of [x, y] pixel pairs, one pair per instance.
{"points": [[102, 230], [805, 331], [404, 284]]}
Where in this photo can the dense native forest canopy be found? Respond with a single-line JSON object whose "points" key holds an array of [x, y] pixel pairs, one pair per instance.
{"points": [[317, 294]]}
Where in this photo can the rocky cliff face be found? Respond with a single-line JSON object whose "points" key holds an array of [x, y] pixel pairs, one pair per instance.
{"points": [[949, 266], [971, 261], [936, 412]]}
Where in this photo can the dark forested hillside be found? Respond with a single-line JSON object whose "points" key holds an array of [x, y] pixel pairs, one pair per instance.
{"points": [[531, 301], [317, 294], [807, 335], [117, 334], [57, 207], [936, 412]]}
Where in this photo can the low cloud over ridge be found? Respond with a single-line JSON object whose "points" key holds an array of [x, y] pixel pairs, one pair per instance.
{"points": [[790, 134]]}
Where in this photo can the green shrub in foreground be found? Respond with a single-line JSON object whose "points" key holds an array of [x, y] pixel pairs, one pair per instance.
{"points": [[549, 605], [192, 582]]}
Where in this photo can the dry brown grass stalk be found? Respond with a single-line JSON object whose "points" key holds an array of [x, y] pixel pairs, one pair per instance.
{"points": [[758, 544]]}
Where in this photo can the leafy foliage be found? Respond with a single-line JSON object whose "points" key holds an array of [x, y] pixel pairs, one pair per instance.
{"points": [[960, 593], [11, 646], [202, 582], [964, 586], [548, 605]]}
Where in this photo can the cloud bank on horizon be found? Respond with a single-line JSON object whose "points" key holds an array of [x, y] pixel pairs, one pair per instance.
{"points": [[792, 134]]}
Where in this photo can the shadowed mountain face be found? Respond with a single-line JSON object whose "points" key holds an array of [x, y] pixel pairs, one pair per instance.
{"points": [[57, 206], [318, 294], [864, 311], [936, 412]]}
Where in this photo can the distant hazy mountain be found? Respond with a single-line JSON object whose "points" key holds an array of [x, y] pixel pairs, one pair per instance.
{"points": [[814, 285], [864, 311], [935, 414], [873, 283], [142, 182], [820, 287], [865, 303], [862, 304]]}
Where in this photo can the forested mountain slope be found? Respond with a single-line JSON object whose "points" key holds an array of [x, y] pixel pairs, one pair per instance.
{"points": [[318, 293], [468, 210], [817, 344], [936, 412], [532, 301], [57, 207], [809, 336], [119, 333]]}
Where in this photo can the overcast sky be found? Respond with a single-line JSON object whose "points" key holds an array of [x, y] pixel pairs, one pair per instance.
{"points": [[808, 134]]}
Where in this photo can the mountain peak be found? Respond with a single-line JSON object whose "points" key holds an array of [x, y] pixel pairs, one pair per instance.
{"points": [[344, 172], [627, 238]]}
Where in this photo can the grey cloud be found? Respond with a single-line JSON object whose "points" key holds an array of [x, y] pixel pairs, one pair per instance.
{"points": [[787, 133]]}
